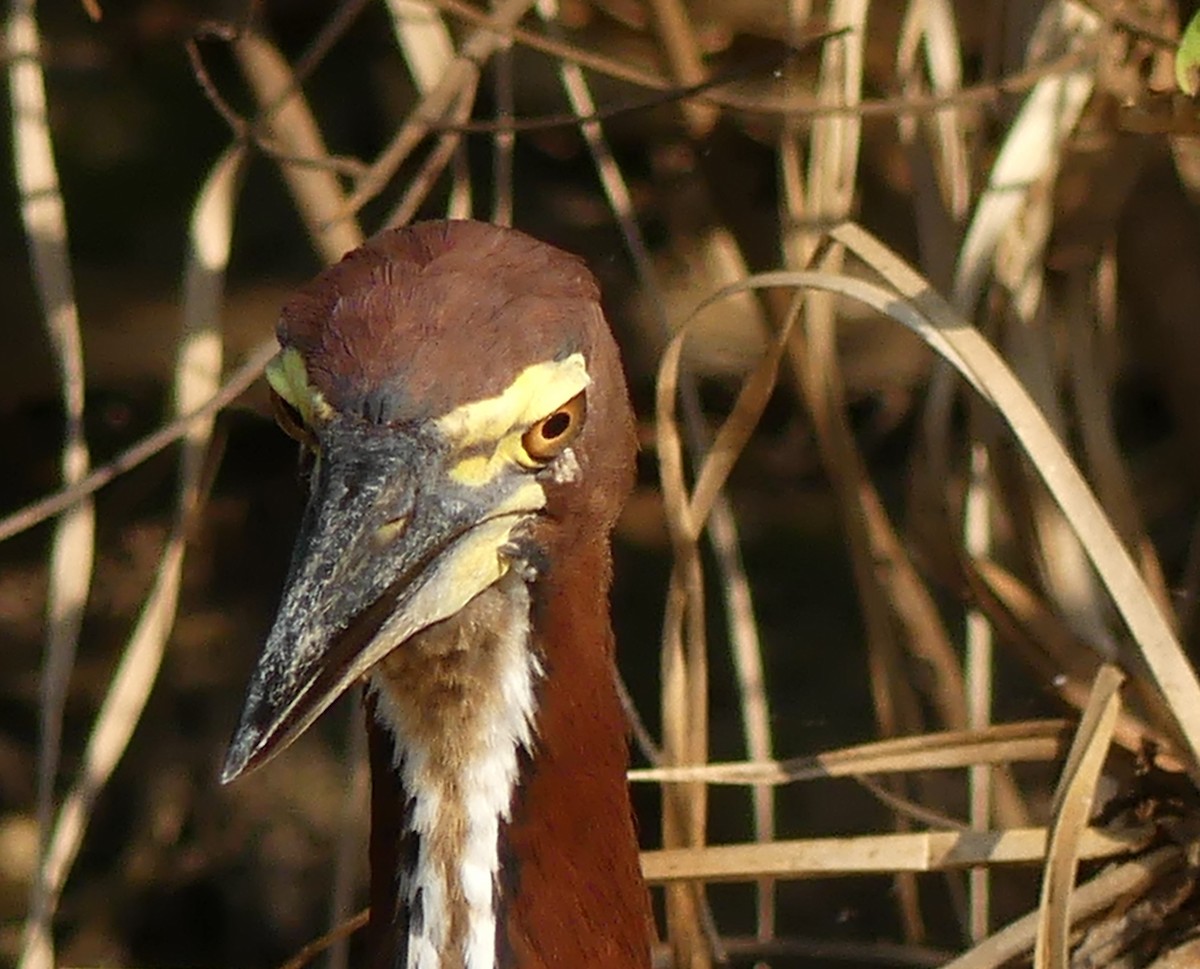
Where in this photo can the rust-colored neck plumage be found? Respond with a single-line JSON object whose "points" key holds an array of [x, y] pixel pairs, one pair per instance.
{"points": [[568, 887], [570, 878]]}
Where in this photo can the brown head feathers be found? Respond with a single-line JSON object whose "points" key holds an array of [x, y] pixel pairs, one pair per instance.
{"points": [[423, 318]]}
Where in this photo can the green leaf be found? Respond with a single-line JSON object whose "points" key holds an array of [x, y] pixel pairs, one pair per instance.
{"points": [[1187, 58]]}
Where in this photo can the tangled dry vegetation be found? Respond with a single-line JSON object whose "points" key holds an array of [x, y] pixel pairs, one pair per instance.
{"points": [[907, 292]]}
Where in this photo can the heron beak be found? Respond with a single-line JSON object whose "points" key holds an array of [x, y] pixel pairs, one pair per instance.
{"points": [[391, 542]]}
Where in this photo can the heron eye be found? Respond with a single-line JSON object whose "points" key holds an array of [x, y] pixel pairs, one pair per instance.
{"points": [[291, 422], [549, 436]]}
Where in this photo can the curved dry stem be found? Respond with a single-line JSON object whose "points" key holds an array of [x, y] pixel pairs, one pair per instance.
{"points": [[197, 376], [72, 551], [1070, 811]]}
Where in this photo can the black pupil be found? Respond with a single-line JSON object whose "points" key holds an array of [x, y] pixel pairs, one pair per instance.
{"points": [[556, 425]]}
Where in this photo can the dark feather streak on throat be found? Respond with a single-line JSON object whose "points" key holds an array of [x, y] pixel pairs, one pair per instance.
{"points": [[473, 443]]}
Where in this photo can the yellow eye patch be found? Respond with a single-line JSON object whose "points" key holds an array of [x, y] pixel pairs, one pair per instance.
{"points": [[501, 421], [288, 377]]}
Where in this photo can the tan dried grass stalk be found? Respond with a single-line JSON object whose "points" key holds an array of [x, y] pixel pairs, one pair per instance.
{"points": [[197, 377], [1070, 810], [914, 305], [1091, 898], [428, 50], [881, 854], [917, 305], [930, 25], [290, 123], [1058, 658], [433, 107], [72, 550], [1091, 391], [1030, 740], [822, 194]]}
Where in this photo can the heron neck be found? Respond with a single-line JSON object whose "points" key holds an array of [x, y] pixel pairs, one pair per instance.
{"points": [[571, 882], [519, 852]]}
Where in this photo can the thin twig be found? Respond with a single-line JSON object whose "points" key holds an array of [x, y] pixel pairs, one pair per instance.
{"points": [[989, 93], [342, 931], [434, 105], [434, 164], [678, 40], [234, 386], [285, 114]]}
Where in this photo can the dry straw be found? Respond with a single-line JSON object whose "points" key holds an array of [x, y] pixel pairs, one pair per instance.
{"points": [[1051, 603]]}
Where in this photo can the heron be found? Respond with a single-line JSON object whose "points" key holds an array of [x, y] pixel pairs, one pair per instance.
{"points": [[472, 443]]}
